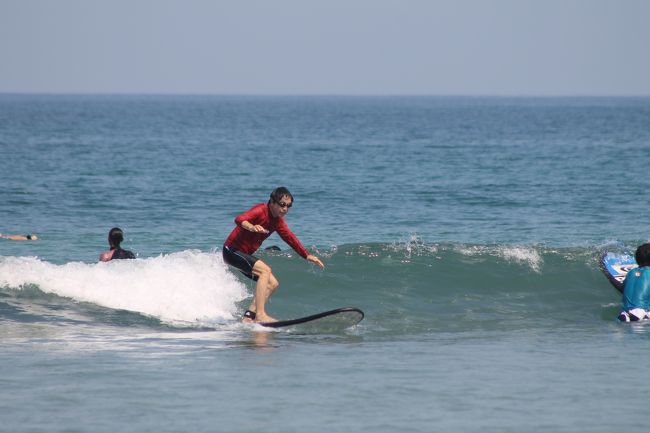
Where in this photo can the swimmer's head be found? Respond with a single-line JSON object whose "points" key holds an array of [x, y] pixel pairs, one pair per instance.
{"points": [[642, 255], [32, 237], [115, 237]]}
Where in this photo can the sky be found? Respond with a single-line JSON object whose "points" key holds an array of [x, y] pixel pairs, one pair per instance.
{"points": [[326, 47]]}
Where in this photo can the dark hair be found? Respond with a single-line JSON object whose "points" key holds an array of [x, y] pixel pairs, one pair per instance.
{"points": [[280, 192], [642, 255], [115, 237]]}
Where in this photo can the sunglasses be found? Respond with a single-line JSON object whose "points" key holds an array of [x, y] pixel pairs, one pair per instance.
{"points": [[283, 204]]}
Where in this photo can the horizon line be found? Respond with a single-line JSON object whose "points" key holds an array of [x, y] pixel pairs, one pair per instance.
{"points": [[323, 95]]}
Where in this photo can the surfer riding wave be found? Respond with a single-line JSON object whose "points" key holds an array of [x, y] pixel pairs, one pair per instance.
{"points": [[252, 228]]}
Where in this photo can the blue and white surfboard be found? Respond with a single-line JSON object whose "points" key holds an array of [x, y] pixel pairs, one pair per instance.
{"points": [[616, 266]]}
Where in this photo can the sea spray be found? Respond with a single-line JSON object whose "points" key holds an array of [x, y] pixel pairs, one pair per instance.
{"points": [[188, 287]]}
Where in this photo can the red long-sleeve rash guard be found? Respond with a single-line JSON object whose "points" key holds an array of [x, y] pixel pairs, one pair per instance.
{"points": [[260, 214]]}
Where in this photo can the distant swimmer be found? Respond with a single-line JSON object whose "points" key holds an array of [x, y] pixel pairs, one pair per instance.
{"points": [[115, 238], [253, 227], [31, 237]]}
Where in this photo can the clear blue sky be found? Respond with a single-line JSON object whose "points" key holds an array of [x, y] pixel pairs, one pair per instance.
{"points": [[382, 47]]}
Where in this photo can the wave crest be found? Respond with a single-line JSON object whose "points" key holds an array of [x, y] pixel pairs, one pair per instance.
{"points": [[186, 287]]}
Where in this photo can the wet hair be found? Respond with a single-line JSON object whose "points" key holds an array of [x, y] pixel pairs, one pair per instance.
{"points": [[115, 237], [280, 192], [642, 255]]}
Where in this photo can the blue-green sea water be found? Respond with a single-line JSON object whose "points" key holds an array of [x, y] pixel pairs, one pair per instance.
{"points": [[468, 229]]}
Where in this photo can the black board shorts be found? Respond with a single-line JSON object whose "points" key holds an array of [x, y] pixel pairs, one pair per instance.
{"points": [[242, 261]]}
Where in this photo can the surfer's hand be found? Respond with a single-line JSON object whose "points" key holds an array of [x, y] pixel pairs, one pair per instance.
{"points": [[315, 260], [259, 229]]}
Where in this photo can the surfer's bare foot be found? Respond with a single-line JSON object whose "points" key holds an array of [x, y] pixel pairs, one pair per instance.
{"points": [[265, 318]]}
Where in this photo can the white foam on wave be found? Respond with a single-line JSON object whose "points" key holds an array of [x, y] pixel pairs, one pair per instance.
{"points": [[413, 246], [528, 256], [185, 287]]}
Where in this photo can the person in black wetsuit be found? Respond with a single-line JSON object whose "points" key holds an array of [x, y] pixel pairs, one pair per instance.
{"points": [[115, 238]]}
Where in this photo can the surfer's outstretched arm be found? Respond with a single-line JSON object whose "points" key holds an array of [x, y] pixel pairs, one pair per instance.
{"points": [[315, 260]]}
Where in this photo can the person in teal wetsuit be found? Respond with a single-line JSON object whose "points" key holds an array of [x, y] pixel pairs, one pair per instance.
{"points": [[636, 288]]}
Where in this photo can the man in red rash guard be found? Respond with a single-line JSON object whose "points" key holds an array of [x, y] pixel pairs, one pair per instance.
{"points": [[253, 227]]}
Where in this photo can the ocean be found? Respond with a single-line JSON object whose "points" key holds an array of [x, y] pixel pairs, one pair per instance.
{"points": [[468, 229]]}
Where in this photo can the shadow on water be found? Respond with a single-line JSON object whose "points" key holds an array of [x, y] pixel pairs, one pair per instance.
{"points": [[267, 341]]}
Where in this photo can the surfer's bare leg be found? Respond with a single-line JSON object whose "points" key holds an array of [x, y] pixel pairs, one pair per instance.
{"points": [[266, 285], [273, 285]]}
